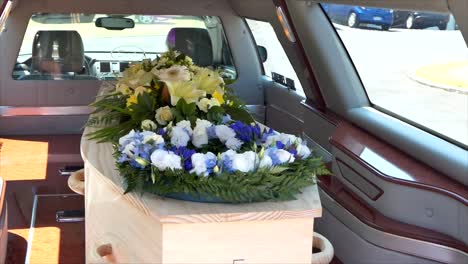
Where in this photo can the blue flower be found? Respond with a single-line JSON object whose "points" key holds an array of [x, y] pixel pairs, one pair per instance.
{"points": [[271, 152], [211, 162], [135, 151], [162, 132], [257, 131], [280, 145], [293, 151], [211, 131], [227, 164], [226, 161], [267, 133], [243, 131], [123, 158], [186, 155]]}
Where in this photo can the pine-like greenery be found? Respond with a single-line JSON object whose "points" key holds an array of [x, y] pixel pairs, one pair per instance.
{"points": [[276, 184]]}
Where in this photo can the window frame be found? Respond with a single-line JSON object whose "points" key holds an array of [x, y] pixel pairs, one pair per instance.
{"points": [[345, 96], [255, 41], [244, 18], [225, 40], [382, 109]]}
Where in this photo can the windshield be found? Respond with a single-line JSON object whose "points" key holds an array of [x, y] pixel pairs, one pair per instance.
{"points": [[110, 51]]}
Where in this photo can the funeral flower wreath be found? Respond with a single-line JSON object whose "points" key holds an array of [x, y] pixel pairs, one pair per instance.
{"points": [[179, 131]]}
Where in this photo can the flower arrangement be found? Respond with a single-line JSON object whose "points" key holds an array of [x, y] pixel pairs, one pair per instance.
{"points": [[178, 131]]}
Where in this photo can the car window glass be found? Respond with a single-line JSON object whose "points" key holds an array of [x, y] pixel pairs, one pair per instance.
{"points": [[413, 65], [72, 46], [277, 60]]}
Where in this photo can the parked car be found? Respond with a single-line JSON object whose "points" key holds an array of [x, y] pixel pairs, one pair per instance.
{"points": [[354, 16], [419, 20]]}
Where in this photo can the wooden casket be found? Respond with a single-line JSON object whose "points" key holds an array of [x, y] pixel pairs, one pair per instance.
{"points": [[145, 228]]}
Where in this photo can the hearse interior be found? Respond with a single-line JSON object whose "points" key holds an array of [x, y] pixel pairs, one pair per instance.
{"points": [[386, 110]]}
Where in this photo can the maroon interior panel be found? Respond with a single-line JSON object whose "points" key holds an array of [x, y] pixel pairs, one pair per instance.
{"points": [[360, 182], [393, 165], [375, 219]]}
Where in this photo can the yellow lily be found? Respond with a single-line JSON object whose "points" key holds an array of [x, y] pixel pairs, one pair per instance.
{"points": [[186, 90]]}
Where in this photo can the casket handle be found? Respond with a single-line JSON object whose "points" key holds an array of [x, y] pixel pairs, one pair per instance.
{"points": [[105, 251]]}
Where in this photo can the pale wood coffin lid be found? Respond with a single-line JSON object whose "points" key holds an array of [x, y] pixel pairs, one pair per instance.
{"points": [[98, 158]]}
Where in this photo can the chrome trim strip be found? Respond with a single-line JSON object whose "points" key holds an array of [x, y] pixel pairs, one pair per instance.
{"points": [[31, 231], [5, 13], [11, 111]]}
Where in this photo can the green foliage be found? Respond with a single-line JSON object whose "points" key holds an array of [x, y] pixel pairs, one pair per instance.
{"points": [[115, 119], [215, 114], [278, 184], [240, 114], [185, 111], [144, 109]]}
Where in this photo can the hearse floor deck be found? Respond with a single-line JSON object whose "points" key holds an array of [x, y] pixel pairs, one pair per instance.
{"points": [[30, 166]]}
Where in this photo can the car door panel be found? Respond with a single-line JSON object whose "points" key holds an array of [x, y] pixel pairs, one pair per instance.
{"points": [[411, 210], [424, 196], [283, 108]]}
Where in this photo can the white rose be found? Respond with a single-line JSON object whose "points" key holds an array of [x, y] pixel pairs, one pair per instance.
{"points": [[185, 125], [271, 139], [179, 137], [284, 156], [224, 133], [288, 139], [204, 104], [234, 143], [200, 135], [266, 162], [244, 162], [148, 125], [164, 115], [149, 136], [199, 164], [303, 151], [203, 122], [199, 161], [163, 160], [229, 154]]}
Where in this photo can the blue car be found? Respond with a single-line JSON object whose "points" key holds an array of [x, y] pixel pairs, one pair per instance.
{"points": [[354, 16]]}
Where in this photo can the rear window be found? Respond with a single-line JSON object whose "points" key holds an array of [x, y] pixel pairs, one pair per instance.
{"points": [[72, 46], [413, 65]]}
